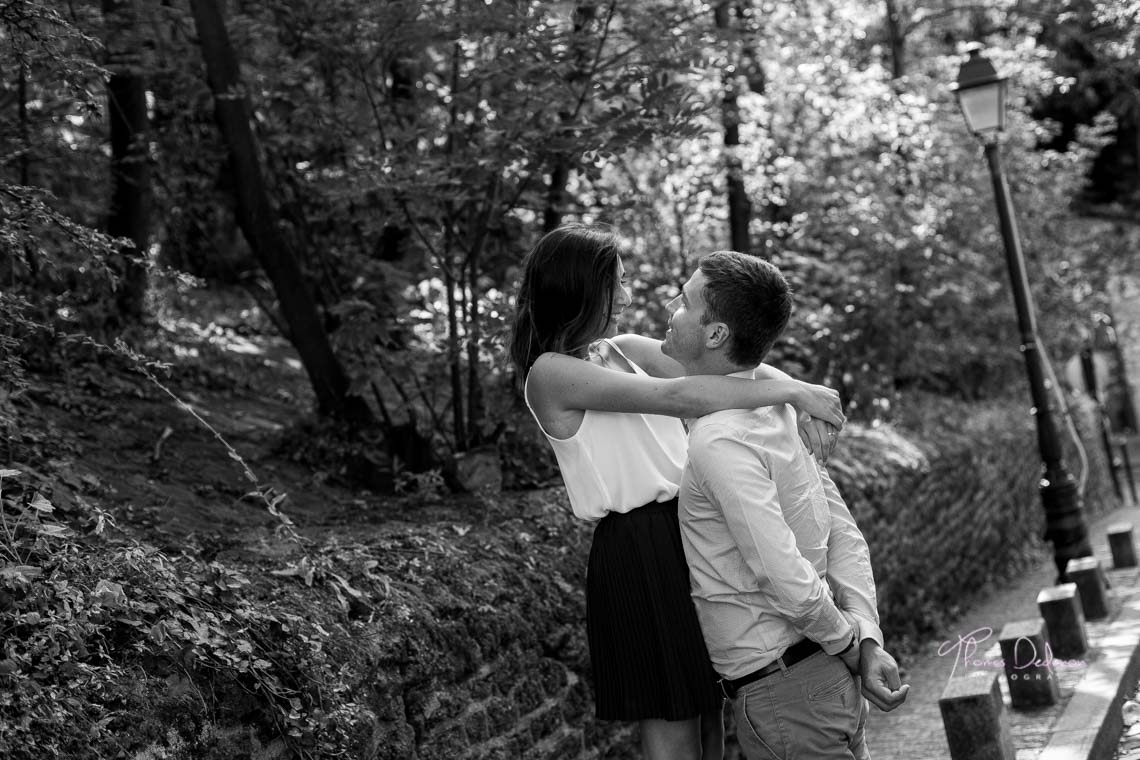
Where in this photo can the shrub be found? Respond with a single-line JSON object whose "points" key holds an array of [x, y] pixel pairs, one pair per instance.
{"points": [[947, 499], [456, 633], [112, 647]]}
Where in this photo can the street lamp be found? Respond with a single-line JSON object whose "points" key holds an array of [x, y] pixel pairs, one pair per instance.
{"points": [[981, 95]]}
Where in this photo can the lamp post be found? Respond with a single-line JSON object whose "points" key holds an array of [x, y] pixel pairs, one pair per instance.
{"points": [[981, 95]]}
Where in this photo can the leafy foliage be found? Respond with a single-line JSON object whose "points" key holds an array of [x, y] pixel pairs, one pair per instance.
{"points": [[414, 151], [877, 204], [398, 636], [112, 646], [50, 253], [1096, 44], [947, 499]]}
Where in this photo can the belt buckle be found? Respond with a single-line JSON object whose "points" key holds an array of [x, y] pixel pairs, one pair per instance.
{"points": [[726, 688]]}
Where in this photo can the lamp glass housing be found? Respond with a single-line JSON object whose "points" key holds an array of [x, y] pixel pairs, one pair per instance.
{"points": [[983, 105]]}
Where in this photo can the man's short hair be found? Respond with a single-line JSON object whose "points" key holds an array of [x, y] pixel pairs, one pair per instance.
{"points": [[749, 295]]}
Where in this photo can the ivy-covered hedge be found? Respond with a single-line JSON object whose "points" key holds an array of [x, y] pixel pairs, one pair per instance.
{"points": [[452, 629], [948, 501], [459, 635], [112, 648]]}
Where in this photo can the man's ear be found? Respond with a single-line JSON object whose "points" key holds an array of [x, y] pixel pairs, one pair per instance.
{"points": [[716, 335]]}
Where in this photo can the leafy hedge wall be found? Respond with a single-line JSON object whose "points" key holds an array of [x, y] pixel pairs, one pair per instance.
{"points": [[457, 634], [949, 504], [451, 629]]}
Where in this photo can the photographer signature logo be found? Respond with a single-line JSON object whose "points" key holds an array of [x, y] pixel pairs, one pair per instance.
{"points": [[1025, 655]]}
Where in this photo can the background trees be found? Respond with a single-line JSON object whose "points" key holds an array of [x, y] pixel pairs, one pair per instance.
{"points": [[277, 194], [372, 174]]}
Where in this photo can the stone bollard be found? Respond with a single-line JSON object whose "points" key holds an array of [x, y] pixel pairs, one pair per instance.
{"points": [[1089, 577], [1028, 671], [972, 714], [1060, 607], [1120, 542]]}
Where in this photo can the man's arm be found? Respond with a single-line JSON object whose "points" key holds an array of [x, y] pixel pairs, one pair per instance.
{"points": [[850, 575], [738, 481], [849, 565]]}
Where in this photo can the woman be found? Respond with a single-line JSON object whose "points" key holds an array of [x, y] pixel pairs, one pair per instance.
{"points": [[611, 410]]}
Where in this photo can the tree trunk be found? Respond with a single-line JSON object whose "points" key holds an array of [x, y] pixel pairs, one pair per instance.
{"points": [[258, 222], [475, 410], [556, 193], [739, 207], [897, 40], [585, 13], [31, 258], [476, 406], [129, 213], [455, 370], [453, 270], [905, 277]]}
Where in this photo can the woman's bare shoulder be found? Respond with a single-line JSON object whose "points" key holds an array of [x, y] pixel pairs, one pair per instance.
{"points": [[553, 368]]}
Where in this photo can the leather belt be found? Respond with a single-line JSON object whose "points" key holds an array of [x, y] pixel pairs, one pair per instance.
{"points": [[797, 652]]}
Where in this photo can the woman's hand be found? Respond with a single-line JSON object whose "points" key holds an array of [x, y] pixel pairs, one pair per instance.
{"points": [[817, 435], [821, 402]]}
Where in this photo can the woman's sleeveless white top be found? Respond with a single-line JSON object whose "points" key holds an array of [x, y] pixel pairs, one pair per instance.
{"points": [[616, 461]]}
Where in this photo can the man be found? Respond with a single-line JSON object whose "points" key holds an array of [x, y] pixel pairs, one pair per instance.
{"points": [[781, 576]]}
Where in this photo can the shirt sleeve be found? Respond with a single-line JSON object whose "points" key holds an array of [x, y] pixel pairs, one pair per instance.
{"points": [[738, 481], [849, 566]]}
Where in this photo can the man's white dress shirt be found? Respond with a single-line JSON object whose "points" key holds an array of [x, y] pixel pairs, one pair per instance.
{"points": [[774, 554]]}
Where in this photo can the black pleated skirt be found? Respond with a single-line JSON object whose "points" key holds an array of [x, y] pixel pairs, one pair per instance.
{"points": [[648, 656]]}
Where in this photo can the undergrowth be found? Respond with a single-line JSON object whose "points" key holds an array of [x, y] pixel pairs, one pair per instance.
{"points": [[114, 649]]}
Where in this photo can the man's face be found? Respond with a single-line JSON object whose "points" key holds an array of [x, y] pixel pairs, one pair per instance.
{"points": [[622, 295], [685, 338]]}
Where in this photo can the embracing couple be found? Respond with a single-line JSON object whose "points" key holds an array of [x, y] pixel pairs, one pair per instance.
{"points": [[724, 562]]}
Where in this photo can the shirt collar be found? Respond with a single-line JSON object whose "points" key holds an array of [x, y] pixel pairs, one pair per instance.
{"points": [[747, 374]]}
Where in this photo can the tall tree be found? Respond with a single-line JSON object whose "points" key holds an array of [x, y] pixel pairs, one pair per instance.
{"points": [[896, 35], [53, 150], [258, 222], [129, 213], [739, 206], [1096, 52], [581, 80]]}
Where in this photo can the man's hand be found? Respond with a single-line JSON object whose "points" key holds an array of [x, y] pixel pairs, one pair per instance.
{"points": [[881, 683]]}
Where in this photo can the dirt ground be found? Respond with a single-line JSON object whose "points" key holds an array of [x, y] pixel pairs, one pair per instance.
{"points": [[100, 431]]}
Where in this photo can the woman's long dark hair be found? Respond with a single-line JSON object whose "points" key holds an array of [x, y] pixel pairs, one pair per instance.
{"points": [[566, 296]]}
